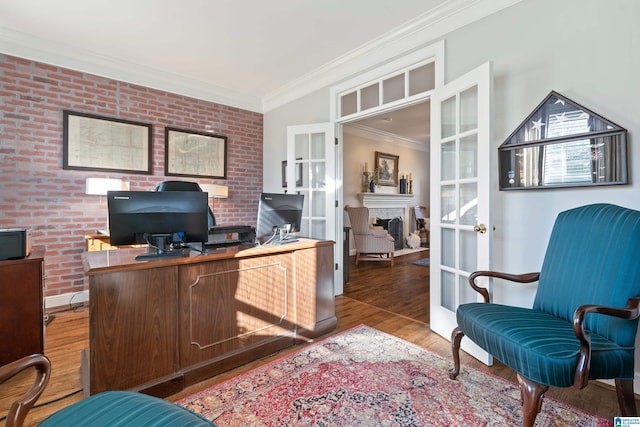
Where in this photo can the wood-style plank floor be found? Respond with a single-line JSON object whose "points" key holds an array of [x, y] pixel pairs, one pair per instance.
{"points": [[394, 300]]}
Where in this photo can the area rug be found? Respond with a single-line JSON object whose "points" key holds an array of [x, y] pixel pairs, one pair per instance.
{"points": [[364, 377], [424, 262]]}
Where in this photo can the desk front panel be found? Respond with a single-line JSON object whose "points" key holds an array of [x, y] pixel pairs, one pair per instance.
{"points": [[132, 328], [234, 304]]}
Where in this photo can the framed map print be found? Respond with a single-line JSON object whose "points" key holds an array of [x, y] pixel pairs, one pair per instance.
{"points": [[92, 142], [197, 154]]}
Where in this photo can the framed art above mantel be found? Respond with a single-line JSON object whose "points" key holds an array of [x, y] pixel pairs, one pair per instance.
{"points": [[386, 166]]}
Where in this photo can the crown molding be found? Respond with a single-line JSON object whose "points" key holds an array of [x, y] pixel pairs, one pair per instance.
{"points": [[419, 32], [26, 46], [380, 135]]}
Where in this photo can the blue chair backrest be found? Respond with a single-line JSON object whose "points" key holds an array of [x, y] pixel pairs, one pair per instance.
{"points": [[593, 257]]}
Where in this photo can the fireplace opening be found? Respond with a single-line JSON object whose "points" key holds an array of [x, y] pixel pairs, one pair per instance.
{"points": [[395, 228]]}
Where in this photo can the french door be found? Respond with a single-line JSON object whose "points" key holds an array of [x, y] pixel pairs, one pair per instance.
{"points": [[460, 197], [310, 172]]}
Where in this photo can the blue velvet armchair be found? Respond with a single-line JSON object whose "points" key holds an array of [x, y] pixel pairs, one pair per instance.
{"points": [[110, 408], [584, 318]]}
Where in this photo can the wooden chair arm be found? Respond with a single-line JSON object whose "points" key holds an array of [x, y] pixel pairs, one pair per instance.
{"points": [[19, 408], [630, 312], [520, 278]]}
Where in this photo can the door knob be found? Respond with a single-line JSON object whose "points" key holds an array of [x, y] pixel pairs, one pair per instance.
{"points": [[480, 228]]}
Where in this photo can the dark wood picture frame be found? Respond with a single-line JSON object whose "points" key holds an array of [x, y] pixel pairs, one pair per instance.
{"points": [[98, 143], [195, 154], [387, 168]]}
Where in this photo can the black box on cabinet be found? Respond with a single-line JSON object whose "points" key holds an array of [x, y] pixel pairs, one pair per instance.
{"points": [[14, 243]]}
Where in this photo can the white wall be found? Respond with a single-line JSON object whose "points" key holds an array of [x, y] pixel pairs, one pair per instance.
{"points": [[360, 148], [584, 49], [587, 50]]}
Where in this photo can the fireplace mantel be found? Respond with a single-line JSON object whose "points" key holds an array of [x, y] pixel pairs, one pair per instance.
{"points": [[378, 203], [385, 200]]}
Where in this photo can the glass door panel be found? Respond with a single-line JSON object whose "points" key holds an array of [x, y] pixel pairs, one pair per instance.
{"points": [[448, 248], [468, 155], [469, 109], [468, 252], [448, 290]]}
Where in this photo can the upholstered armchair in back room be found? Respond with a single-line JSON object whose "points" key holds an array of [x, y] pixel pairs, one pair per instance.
{"points": [[109, 408], [585, 314], [372, 242]]}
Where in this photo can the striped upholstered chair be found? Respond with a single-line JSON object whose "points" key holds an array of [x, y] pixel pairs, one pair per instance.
{"points": [[373, 242], [585, 314], [109, 408]]}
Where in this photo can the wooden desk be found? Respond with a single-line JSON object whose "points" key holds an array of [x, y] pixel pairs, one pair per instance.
{"points": [[159, 326]]}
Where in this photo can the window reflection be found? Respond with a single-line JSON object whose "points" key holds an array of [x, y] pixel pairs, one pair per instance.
{"points": [[563, 144]]}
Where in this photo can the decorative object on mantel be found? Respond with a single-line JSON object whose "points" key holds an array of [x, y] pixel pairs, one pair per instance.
{"points": [[386, 169], [562, 144], [405, 184], [369, 180], [373, 181]]}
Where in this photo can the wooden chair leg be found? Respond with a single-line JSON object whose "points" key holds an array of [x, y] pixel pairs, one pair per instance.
{"points": [[456, 337], [626, 398], [531, 394], [357, 257]]}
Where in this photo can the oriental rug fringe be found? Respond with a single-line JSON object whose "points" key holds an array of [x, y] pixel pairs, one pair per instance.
{"points": [[364, 377]]}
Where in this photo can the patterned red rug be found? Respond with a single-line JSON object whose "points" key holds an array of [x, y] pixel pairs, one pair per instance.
{"points": [[364, 377]]}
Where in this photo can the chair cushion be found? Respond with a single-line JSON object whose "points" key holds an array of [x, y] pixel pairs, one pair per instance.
{"points": [[539, 346], [124, 408]]}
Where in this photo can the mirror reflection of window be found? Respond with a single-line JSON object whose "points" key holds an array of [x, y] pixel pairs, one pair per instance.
{"points": [[562, 144]]}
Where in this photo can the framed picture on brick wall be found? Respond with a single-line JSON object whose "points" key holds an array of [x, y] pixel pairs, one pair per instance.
{"points": [[92, 142], [197, 154]]}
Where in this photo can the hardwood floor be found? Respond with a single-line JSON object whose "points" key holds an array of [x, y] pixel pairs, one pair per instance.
{"points": [[392, 300], [402, 290]]}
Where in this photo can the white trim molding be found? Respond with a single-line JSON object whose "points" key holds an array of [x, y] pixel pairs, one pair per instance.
{"points": [[422, 30]]}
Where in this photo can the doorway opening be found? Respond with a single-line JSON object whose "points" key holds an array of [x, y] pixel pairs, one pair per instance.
{"points": [[404, 288]]}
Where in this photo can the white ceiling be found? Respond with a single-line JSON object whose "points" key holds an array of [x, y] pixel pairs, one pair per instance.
{"points": [[242, 53], [246, 47]]}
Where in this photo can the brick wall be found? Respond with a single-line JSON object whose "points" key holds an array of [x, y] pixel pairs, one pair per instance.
{"points": [[37, 193]]}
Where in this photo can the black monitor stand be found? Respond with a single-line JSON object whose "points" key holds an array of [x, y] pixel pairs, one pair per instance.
{"points": [[158, 243]]}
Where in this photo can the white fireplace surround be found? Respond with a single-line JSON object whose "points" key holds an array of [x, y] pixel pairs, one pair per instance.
{"points": [[389, 205]]}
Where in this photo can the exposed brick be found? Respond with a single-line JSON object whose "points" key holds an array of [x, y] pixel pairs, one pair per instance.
{"points": [[36, 192]]}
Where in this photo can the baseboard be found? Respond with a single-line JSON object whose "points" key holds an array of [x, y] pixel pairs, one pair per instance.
{"points": [[66, 301]]}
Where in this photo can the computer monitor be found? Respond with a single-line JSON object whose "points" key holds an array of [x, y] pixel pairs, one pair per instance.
{"points": [[278, 215], [185, 186], [160, 219]]}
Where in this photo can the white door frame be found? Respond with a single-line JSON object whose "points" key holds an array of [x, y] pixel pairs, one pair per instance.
{"points": [[435, 51]]}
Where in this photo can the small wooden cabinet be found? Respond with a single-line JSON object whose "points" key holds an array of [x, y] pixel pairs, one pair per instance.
{"points": [[21, 307]]}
